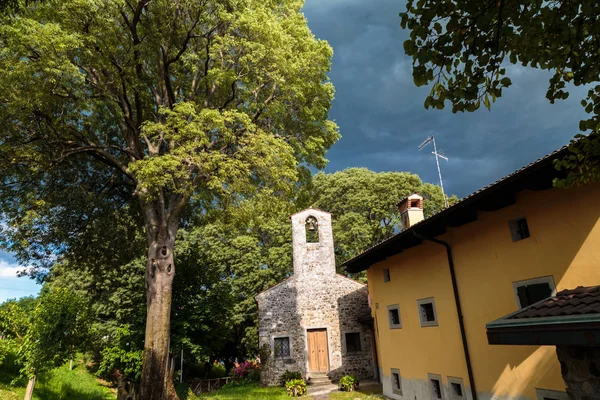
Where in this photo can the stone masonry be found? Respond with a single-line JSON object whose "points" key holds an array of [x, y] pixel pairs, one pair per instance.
{"points": [[315, 297], [580, 367]]}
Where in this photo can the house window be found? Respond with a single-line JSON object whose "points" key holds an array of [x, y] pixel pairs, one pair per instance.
{"points": [[386, 275], [394, 316], [533, 290], [519, 229], [457, 388], [545, 394], [311, 227], [396, 381], [282, 347], [435, 386], [352, 342], [427, 313]]}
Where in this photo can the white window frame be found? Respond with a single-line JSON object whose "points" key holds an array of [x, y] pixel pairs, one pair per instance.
{"points": [[543, 279], [390, 308], [555, 394], [437, 377], [424, 322], [456, 381], [345, 347], [395, 390], [289, 337]]}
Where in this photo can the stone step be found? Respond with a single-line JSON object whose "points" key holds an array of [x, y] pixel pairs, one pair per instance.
{"points": [[320, 383]]}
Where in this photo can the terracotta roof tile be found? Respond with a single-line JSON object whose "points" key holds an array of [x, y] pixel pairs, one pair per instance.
{"points": [[579, 301]]}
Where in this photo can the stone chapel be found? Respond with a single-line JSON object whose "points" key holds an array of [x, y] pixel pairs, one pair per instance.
{"points": [[315, 322]]}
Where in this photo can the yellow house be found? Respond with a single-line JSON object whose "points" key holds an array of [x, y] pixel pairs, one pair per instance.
{"points": [[435, 285]]}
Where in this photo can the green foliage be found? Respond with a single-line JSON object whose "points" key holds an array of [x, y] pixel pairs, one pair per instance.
{"points": [[288, 376], [15, 321], [217, 370], [462, 49], [59, 326], [295, 387], [123, 358], [349, 383]]}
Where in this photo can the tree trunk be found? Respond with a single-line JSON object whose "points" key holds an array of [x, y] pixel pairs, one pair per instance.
{"points": [[29, 391], [157, 379], [71, 364]]}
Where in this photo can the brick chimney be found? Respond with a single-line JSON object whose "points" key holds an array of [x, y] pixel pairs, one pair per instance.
{"points": [[411, 210]]}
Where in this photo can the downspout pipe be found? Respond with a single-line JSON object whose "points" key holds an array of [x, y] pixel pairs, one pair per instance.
{"points": [[458, 309]]}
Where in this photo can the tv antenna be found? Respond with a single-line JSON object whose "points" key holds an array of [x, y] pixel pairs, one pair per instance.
{"points": [[431, 139]]}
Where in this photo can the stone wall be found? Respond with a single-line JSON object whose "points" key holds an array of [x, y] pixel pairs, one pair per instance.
{"points": [[580, 367], [315, 297]]}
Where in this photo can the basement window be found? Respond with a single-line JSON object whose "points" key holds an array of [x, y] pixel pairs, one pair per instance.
{"points": [[533, 290], [435, 386], [396, 381], [427, 313], [519, 229], [352, 341], [457, 388], [281, 347], [386, 275], [394, 316], [545, 394]]}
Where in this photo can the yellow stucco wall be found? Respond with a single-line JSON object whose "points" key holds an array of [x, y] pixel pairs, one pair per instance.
{"points": [[564, 243]]}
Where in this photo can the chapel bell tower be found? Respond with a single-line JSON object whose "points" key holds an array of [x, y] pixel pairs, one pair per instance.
{"points": [[312, 241]]}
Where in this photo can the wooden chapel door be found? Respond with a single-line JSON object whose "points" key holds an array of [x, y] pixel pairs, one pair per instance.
{"points": [[318, 351]]}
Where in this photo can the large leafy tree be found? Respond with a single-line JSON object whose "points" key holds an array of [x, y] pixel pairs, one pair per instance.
{"points": [[462, 48], [159, 107]]}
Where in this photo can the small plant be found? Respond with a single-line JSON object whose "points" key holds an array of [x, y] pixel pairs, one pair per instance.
{"points": [[296, 387], [288, 376], [349, 383]]}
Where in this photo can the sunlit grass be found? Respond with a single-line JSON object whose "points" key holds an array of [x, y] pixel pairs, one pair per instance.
{"points": [[60, 384], [247, 392]]}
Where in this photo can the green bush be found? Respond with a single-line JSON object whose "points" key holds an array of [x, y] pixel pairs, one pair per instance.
{"points": [[296, 387], [349, 383], [288, 376], [217, 370]]}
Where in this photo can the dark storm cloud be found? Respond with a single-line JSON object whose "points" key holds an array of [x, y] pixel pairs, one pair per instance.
{"points": [[381, 115]]}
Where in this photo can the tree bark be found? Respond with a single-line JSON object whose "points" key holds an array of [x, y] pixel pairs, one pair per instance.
{"points": [[29, 391], [156, 379]]}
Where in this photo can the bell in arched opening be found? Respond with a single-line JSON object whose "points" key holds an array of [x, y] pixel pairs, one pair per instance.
{"points": [[312, 230]]}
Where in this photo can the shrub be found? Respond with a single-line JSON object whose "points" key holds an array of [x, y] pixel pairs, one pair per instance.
{"points": [[288, 376], [247, 371], [296, 387], [217, 370], [349, 383]]}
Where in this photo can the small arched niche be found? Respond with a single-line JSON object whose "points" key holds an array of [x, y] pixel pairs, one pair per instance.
{"points": [[311, 225]]}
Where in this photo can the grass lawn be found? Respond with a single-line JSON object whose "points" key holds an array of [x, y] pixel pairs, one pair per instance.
{"points": [[361, 394], [252, 392], [247, 392], [60, 384]]}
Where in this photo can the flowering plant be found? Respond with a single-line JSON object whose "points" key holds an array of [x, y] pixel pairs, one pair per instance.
{"points": [[249, 371]]}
